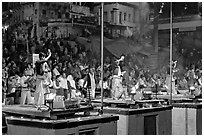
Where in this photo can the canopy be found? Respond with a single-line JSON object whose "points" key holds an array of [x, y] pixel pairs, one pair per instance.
{"points": [[72, 43], [119, 47], [115, 47]]}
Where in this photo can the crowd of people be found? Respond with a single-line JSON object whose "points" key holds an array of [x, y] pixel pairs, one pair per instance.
{"points": [[72, 72]]}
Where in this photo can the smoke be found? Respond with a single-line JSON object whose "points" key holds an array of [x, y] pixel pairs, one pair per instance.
{"points": [[144, 7]]}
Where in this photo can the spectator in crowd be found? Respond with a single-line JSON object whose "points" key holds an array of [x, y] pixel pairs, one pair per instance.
{"points": [[56, 86], [55, 71], [63, 84], [72, 85], [182, 83], [25, 90], [30, 70]]}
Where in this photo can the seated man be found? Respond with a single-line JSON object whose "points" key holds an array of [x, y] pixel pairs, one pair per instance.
{"points": [[183, 84]]}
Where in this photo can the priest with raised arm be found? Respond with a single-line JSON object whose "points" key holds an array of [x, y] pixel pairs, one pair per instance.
{"points": [[42, 69]]}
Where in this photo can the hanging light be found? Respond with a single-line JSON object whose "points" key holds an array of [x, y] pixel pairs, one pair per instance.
{"points": [[185, 7], [160, 11], [162, 6]]}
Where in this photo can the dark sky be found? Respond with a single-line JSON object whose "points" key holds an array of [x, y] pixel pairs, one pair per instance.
{"points": [[4, 6], [89, 4], [177, 7]]}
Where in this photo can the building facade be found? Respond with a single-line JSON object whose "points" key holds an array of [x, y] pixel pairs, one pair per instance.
{"points": [[123, 17], [50, 19]]}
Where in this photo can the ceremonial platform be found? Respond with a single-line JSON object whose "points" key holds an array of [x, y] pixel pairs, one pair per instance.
{"points": [[176, 97], [187, 118], [186, 114], [135, 116], [32, 111], [27, 120], [129, 103]]}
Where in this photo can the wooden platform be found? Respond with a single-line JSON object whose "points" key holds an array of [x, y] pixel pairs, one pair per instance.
{"points": [[32, 111], [127, 103], [177, 98]]}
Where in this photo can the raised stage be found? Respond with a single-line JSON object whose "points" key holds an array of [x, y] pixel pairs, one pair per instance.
{"points": [[135, 116], [129, 103], [32, 111], [27, 120]]}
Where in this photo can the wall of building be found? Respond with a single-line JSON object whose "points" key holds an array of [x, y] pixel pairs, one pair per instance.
{"points": [[28, 11], [55, 11], [81, 9], [112, 14]]}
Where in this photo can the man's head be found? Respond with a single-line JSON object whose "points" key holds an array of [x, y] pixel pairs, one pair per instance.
{"points": [[92, 69], [64, 75], [122, 57], [42, 55], [58, 77], [25, 72]]}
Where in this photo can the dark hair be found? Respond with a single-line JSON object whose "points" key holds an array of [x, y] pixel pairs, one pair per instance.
{"points": [[141, 76], [122, 55], [57, 76], [41, 55]]}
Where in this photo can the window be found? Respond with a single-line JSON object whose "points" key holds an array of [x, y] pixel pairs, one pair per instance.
{"points": [[44, 12], [112, 16], [105, 16], [52, 14], [67, 15], [120, 18], [59, 15], [125, 15], [129, 17], [36, 11]]}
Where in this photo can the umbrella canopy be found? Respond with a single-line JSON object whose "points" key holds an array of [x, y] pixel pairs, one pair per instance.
{"points": [[115, 47], [84, 41], [119, 47]]}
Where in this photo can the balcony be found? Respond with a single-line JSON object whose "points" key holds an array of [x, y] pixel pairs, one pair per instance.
{"points": [[179, 19], [180, 22], [80, 10]]}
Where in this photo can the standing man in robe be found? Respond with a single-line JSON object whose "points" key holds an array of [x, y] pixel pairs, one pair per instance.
{"points": [[41, 72]]}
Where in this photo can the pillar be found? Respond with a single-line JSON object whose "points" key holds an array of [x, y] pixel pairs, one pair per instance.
{"points": [[156, 21]]}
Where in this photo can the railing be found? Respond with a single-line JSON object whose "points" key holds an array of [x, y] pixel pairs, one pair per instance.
{"points": [[76, 20], [179, 19]]}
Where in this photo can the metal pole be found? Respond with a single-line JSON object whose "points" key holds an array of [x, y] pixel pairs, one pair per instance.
{"points": [[102, 4], [171, 23]]}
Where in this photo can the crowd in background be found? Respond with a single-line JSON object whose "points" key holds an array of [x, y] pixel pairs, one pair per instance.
{"points": [[75, 70]]}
